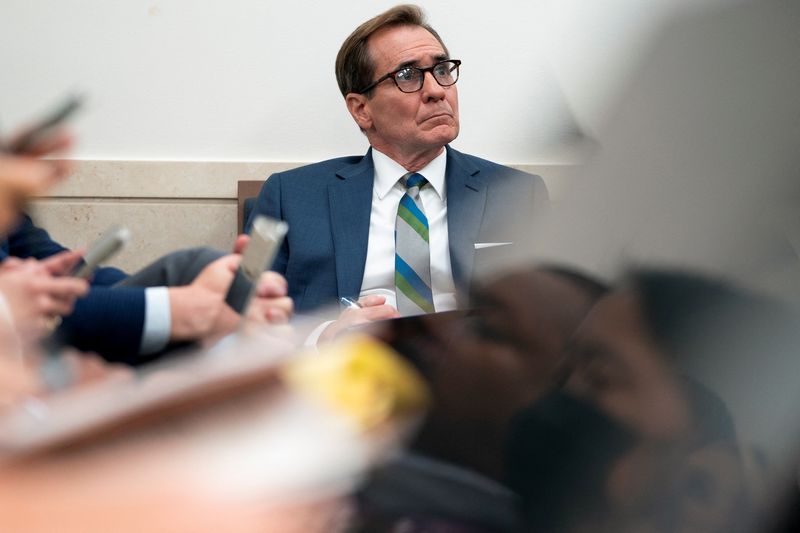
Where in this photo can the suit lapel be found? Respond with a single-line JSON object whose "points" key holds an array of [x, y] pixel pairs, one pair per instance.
{"points": [[466, 200], [350, 200]]}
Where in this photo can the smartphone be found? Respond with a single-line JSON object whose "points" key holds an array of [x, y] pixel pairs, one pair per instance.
{"points": [[266, 237], [47, 125], [103, 248]]}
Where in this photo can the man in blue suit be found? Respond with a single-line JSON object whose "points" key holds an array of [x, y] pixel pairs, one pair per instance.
{"points": [[397, 228]]}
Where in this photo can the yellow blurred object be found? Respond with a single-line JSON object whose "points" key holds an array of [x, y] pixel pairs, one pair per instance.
{"points": [[363, 378]]}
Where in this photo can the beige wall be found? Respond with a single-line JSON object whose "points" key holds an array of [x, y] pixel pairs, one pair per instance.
{"points": [[167, 204]]}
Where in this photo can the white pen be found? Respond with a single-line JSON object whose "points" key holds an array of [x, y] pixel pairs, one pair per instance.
{"points": [[349, 303]]}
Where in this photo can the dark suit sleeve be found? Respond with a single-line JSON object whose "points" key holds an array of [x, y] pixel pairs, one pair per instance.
{"points": [[107, 320], [27, 240], [269, 204]]}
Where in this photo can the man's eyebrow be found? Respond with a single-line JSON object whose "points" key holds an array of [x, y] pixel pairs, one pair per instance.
{"points": [[415, 62], [404, 64]]}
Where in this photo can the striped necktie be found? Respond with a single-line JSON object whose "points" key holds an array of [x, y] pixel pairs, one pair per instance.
{"points": [[412, 255]]}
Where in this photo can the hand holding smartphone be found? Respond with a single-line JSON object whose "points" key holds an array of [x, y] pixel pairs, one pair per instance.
{"points": [[102, 249], [266, 238], [47, 126]]}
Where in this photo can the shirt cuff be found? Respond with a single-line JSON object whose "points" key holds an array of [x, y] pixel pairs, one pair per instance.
{"points": [[157, 320], [313, 337]]}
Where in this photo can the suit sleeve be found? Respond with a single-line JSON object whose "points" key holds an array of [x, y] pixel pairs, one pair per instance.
{"points": [[109, 321], [28, 240], [269, 204]]}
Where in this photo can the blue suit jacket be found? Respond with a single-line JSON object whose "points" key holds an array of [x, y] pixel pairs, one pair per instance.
{"points": [[327, 206], [108, 320]]}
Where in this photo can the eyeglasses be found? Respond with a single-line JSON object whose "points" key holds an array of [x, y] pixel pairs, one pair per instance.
{"points": [[411, 79]]}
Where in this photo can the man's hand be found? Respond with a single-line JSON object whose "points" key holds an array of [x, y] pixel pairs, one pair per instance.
{"points": [[373, 308], [199, 311], [271, 304], [24, 176], [62, 263], [241, 243], [35, 296]]}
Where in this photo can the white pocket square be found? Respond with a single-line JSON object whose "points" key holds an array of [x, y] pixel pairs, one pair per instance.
{"points": [[482, 245]]}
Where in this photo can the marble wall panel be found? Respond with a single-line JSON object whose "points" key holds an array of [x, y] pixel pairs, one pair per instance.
{"points": [[202, 179], [157, 227]]}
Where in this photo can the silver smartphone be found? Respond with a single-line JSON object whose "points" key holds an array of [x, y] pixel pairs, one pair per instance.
{"points": [[266, 237], [47, 125], [103, 248]]}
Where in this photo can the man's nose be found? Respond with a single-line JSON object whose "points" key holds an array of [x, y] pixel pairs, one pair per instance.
{"points": [[431, 90]]}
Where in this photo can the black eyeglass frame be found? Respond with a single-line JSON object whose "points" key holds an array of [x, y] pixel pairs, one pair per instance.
{"points": [[392, 76]]}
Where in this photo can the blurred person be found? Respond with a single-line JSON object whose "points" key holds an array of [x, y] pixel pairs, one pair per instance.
{"points": [[482, 367], [632, 443], [698, 167], [504, 355], [697, 161], [26, 176], [33, 293], [398, 81], [253, 444], [126, 319], [30, 294], [179, 298]]}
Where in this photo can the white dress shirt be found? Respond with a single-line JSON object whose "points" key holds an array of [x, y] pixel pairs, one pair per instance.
{"points": [[379, 268], [386, 195]]}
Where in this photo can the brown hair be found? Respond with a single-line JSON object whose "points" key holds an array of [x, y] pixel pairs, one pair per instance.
{"points": [[354, 66]]}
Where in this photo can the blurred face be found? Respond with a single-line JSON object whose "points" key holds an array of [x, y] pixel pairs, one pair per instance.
{"points": [[658, 481], [411, 128], [485, 367], [618, 368]]}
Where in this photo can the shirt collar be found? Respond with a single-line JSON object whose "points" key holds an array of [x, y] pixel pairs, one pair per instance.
{"points": [[388, 172]]}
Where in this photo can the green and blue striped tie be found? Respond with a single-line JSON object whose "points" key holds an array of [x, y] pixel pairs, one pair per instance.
{"points": [[412, 257]]}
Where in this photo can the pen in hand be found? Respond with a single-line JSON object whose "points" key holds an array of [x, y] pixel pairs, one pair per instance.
{"points": [[349, 303]]}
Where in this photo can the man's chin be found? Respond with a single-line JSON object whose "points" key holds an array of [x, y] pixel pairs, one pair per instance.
{"points": [[443, 133]]}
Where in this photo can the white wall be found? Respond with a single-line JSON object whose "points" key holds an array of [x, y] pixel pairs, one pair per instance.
{"points": [[240, 80]]}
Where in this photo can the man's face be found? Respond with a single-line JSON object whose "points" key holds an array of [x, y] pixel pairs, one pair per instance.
{"points": [[406, 126]]}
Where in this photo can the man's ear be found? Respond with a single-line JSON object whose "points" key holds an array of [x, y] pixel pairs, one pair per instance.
{"points": [[358, 106]]}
